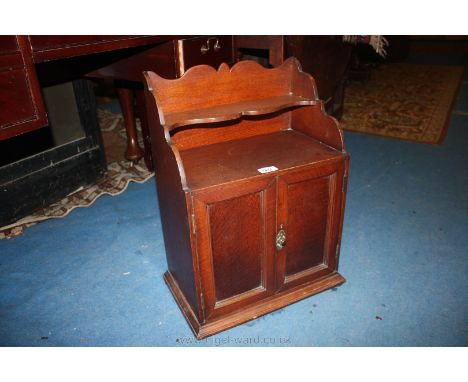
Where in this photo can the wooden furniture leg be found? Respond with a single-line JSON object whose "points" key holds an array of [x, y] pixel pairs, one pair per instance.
{"points": [[133, 152], [140, 98]]}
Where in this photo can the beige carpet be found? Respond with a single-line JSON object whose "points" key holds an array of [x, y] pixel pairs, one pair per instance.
{"points": [[119, 174], [404, 101]]}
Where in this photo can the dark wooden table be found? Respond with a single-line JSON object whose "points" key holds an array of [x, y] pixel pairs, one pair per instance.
{"points": [[29, 62]]}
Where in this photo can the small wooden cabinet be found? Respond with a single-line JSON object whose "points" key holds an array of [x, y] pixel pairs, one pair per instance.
{"points": [[251, 176]]}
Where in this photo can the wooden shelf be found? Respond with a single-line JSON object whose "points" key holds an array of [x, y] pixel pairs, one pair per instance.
{"points": [[226, 162], [235, 110]]}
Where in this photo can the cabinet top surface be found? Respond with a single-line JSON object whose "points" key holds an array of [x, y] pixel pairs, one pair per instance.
{"points": [[231, 161]]}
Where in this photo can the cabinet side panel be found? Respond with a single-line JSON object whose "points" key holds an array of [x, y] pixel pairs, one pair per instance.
{"points": [[173, 209], [314, 122], [237, 244], [307, 224]]}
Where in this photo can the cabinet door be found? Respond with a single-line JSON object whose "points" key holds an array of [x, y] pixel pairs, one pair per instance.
{"points": [[235, 244], [310, 214]]}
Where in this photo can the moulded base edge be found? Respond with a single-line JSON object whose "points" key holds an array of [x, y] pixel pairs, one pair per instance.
{"points": [[250, 312]]}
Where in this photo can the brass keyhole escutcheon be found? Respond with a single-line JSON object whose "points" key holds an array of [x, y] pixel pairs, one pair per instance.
{"points": [[280, 238]]}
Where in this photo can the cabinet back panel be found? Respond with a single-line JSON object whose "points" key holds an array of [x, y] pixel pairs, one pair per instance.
{"points": [[200, 135], [308, 203], [203, 86], [237, 244]]}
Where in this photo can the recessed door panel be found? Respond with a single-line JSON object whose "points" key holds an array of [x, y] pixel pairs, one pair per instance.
{"points": [[308, 205], [236, 244], [234, 230]]}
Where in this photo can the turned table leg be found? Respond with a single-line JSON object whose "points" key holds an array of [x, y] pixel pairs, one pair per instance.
{"points": [[133, 152], [141, 107]]}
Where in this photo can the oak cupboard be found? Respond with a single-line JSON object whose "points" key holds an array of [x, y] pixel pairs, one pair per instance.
{"points": [[251, 177]]}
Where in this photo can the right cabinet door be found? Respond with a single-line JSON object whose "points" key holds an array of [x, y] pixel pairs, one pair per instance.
{"points": [[309, 216]]}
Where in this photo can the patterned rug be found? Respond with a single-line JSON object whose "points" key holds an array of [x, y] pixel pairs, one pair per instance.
{"points": [[404, 101], [119, 174]]}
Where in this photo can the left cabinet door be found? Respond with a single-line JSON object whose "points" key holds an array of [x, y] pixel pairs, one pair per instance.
{"points": [[234, 235], [21, 105]]}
